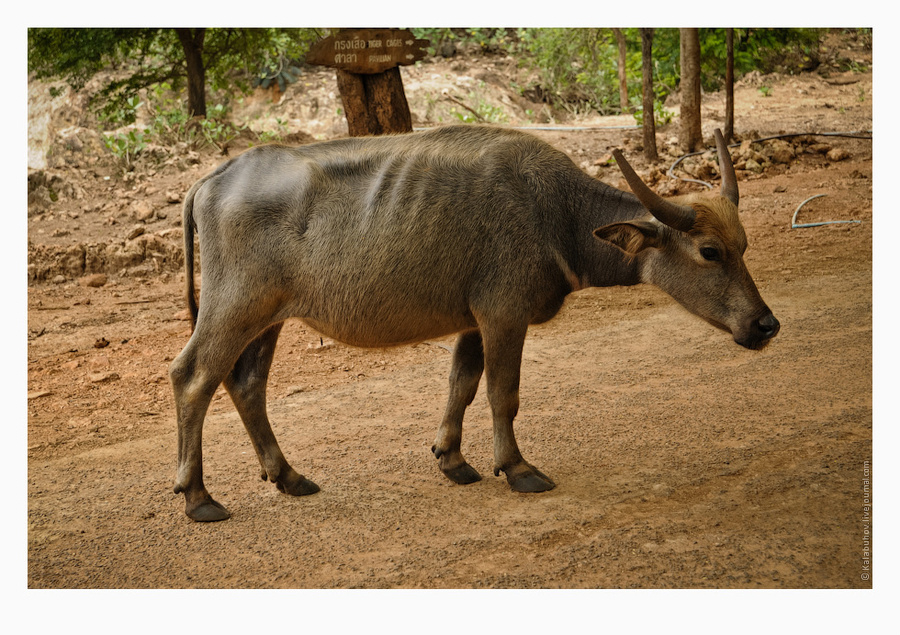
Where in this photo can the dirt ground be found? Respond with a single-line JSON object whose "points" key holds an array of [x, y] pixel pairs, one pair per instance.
{"points": [[681, 459]]}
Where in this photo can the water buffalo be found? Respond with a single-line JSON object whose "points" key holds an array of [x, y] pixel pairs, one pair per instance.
{"points": [[391, 240]]}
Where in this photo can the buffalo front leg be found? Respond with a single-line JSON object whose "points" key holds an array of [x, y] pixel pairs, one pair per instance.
{"points": [[465, 373], [246, 383], [503, 361]]}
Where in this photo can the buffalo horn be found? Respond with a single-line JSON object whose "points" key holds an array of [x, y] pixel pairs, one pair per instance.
{"points": [[680, 217], [726, 169]]}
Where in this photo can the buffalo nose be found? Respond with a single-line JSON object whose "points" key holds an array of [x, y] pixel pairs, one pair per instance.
{"points": [[768, 325]]}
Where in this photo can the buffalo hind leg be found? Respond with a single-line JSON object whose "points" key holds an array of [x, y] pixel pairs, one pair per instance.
{"points": [[199, 505], [196, 374], [246, 383], [503, 361], [465, 373]]}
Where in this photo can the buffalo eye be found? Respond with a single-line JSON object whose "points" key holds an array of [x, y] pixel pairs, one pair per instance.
{"points": [[710, 253]]}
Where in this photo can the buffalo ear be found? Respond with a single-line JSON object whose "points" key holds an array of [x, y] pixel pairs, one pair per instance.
{"points": [[632, 237]]}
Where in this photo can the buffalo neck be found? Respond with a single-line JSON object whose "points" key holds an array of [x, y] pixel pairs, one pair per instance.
{"points": [[600, 264]]}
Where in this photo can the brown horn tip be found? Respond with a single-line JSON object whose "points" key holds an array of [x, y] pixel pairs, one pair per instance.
{"points": [[680, 217], [726, 169]]}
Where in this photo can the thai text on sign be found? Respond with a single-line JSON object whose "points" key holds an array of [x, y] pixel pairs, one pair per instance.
{"points": [[367, 51]]}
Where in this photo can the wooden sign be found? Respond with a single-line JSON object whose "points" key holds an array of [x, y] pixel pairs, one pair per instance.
{"points": [[367, 51]]}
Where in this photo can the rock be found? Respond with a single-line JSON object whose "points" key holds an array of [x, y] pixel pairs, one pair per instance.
{"points": [[780, 152], [142, 210], [93, 280], [172, 197], [100, 361], [661, 489], [175, 233], [72, 261], [136, 231], [837, 154], [101, 343], [98, 378], [753, 166], [782, 156], [590, 170], [447, 48], [59, 279], [670, 187], [39, 201], [36, 394], [127, 255], [95, 258]]}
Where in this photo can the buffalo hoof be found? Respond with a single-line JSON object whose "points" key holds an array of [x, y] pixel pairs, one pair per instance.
{"points": [[207, 511], [528, 481], [462, 474], [296, 485]]}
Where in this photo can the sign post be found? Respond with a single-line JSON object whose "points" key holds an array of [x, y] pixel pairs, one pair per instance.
{"points": [[367, 61]]}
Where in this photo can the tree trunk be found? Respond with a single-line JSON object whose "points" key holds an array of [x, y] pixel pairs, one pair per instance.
{"points": [[691, 137], [649, 96], [623, 83], [729, 85], [374, 104], [192, 42]]}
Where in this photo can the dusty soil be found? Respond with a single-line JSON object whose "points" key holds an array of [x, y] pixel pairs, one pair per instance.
{"points": [[681, 459]]}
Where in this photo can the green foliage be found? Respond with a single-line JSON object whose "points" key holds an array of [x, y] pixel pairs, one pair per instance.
{"points": [[124, 114], [145, 58], [126, 146], [661, 115], [487, 40], [168, 124], [766, 50], [577, 69], [77, 54], [483, 112], [268, 136], [215, 130], [435, 37], [169, 121]]}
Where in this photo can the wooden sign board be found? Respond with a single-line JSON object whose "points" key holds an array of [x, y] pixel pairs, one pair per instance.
{"points": [[367, 51]]}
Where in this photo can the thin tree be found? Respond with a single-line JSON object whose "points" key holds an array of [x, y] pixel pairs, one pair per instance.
{"points": [[192, 43], [690, 136], [729, 85], [649, 96], [623, 83]]}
